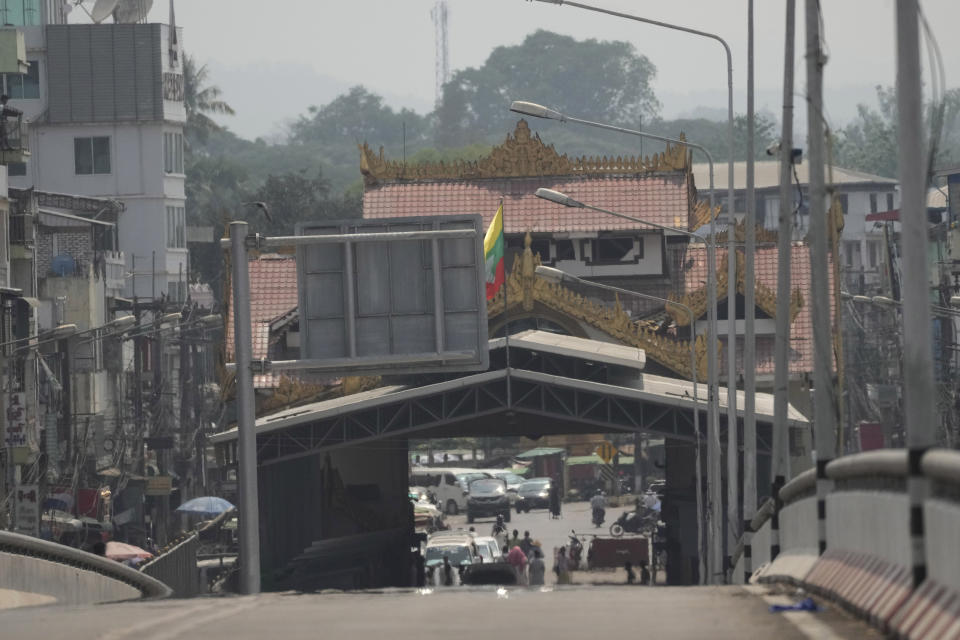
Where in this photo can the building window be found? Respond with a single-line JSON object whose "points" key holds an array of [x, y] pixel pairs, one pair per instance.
{"points": [[20, 13], [565, 250], [176, 228], [16, 169], [844, 201], [889, 202], [173, 152], [851, 251], [873, 203], [615, 250], [24, 86], [873, 251], [91, 155]]}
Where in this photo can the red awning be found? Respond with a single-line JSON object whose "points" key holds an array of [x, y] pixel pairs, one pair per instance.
{"points": [[884, 216]]}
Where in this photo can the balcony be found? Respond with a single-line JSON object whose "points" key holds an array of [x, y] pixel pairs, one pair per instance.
{"points": [[14, 140], [21, 229]]}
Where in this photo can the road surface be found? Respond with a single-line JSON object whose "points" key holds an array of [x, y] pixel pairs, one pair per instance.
{"points": [[454, 613]]}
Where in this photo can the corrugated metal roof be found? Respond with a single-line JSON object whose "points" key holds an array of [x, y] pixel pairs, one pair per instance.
{"points": [[583, 348], [665, 391], [767, 176]]}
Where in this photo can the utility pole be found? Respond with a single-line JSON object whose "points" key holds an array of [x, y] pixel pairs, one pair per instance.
{"points": [[749, 304], [919, 392], [824, 400], [781, 384], [246, 414]]}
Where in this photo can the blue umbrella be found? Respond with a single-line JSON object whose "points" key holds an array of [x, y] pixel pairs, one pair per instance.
{"points": [[206, 505]]}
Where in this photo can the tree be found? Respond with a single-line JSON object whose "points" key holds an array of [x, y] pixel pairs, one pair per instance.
{"points": [[607, 81], [298, 197], [359, 116], [869, 143], [201, 98]]}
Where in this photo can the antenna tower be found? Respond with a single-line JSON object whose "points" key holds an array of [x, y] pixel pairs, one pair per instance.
{"points": [[440, 14]]}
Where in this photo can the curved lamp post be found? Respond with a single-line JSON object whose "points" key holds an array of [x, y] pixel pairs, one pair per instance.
{"points": [[715, 503]]}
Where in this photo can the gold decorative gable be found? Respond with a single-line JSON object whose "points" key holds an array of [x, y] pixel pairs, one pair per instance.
{"points": [[700, 214], [765, 297], [523, 288], [522, 155]]}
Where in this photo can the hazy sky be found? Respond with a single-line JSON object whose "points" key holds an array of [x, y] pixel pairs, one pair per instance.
{"points": [[274, 58]]}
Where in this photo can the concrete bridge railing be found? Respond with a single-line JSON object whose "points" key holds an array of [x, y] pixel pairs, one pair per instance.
{"points": [[34, 571], [869, 564]]}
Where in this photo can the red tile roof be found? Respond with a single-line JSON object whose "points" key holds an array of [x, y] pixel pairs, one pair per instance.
{"points": [[659, 198], [765, 266], [273, 293]]}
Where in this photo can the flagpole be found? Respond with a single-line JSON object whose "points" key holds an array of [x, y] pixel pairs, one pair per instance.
{"points": [[506, 316]]}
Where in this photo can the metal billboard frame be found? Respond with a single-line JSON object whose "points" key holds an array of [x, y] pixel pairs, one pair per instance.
{"points": [[434, 237]]}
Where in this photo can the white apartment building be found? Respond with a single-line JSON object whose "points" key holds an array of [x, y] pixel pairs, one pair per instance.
{"points": [[106, 111], [860, 194]]}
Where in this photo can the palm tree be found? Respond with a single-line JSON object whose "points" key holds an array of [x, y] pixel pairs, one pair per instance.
{"points": [[201, 99]]}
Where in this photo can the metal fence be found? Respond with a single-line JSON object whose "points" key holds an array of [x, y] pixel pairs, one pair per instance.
{"points": [[177, 568]]}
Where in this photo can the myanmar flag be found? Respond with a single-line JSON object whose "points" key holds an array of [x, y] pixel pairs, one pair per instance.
{"points": [[493, 254]]}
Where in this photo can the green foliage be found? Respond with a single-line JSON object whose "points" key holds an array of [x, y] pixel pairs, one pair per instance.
{"points": [[869, 143], [608, 80], [200, 99], [359, 116], [298, 197]]}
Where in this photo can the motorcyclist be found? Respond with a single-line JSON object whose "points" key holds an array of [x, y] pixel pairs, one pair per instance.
{"points": [[650, 499], [598, 504], [499, 528]]}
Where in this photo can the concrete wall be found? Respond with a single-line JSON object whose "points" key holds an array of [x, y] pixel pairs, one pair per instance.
{"points": [[25, 579], [798, 526], [872, 522], [942, 527]]}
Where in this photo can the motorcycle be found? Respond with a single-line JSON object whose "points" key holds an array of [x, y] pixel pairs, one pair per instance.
{"points": [[598, 516], [634, 522]]}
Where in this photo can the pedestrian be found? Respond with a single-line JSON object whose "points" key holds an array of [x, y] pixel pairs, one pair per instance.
{"points": [[536, 568], [554, 500], [644, 573], [518, 560], [515, 540], [631, 575], [447, 575], [527, 543], [562, 567]]}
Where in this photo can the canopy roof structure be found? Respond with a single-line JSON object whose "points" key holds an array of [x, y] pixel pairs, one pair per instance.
{"points": [[550, 394]]}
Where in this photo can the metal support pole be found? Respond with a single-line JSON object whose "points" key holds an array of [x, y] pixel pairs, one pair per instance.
{"points": [[824, 400], [781, 384], [919, 393], [733, 453], [246, 415], [749, 305]]}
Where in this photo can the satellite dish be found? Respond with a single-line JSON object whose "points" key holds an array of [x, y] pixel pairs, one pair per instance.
{"points": [[102, 10], [128, 11]]}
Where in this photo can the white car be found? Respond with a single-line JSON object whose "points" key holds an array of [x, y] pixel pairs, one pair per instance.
{"points": [[488, 548]]}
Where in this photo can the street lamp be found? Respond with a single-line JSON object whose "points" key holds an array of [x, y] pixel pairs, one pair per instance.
{"points": [[714, 504], [557, 276]]}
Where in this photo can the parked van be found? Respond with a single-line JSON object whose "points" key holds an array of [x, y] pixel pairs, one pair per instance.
{"points": [[448, 484]]}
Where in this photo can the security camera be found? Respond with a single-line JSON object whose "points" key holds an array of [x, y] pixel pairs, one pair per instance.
{"points": [[774, 148]]}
